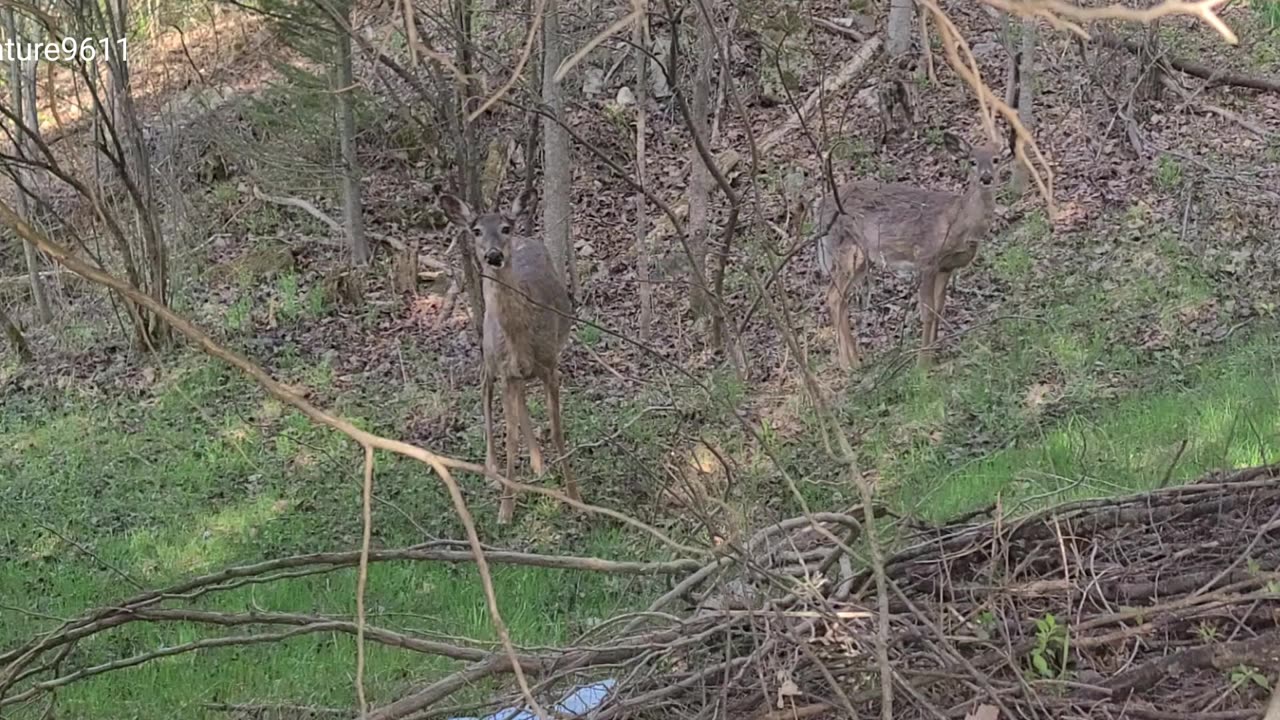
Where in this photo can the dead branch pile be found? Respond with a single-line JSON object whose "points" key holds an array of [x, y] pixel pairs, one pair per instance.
{"points": [[1163, 606]]}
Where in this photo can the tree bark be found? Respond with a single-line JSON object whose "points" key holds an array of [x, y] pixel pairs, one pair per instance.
{"points": [[1026, 96], [901, 14], [343, 91], [137, 171], [700, 180], [640, 37], [468, 178], [556, 208], [24, 101]]}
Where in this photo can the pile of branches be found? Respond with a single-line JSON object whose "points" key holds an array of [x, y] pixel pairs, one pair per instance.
{"points": [[1162, 606]]}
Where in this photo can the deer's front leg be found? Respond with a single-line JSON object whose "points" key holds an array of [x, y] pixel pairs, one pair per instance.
{"points": [[928, 316], [512, 394], [557, 435], [941, 284], [486, 398]]}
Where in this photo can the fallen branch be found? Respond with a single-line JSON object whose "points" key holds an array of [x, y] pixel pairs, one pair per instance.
{"points": [[1261, 652], [1214, 76], [337, 228]]}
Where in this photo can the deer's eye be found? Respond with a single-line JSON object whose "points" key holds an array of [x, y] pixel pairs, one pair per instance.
{"points": [[475, 229], [506, 228]]}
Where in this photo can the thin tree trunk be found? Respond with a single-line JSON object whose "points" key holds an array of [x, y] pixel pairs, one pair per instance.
{"points": [[343, 91], [531, 139], [14, 333], [468, 178], [901, 14], [640, 37], [1026, 95], [700, 180], [558, 179], [19, 96], [137, 166]]}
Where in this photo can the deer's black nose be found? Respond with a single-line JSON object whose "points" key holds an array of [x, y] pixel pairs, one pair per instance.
{"points": [[493, 257]]}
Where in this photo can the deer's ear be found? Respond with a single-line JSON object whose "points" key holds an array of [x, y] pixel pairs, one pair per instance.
{"points": [[523, 202], [458, 212], [955, 144]]}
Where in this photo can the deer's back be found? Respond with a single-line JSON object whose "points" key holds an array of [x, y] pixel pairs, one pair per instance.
{"points": [[898, 226], [522, 336]]}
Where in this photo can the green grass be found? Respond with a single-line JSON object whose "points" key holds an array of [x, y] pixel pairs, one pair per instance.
{"points": [[203, 472]]}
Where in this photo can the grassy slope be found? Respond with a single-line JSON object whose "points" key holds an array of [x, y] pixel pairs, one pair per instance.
{"points": [[194, 470]]}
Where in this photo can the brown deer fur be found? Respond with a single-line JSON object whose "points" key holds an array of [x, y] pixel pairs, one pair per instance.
{"points": [[905, 229], [526, 326]]}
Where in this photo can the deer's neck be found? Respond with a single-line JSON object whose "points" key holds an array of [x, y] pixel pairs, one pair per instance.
{"points": [[504, 295], [978, 205]]}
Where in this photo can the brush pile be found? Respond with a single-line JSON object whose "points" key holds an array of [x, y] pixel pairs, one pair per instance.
{"points": [[1163, 606]]}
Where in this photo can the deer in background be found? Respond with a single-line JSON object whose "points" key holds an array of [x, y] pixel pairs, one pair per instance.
{"points": [[526, 326], [905, 229]]}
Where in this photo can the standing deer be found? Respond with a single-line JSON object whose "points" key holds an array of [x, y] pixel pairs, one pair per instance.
{"points": [[526, 326], [905, 229]]}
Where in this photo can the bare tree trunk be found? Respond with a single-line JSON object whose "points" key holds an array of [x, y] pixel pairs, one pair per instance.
{"points": [[1011, 67], [700, 180], [137, 168], [19, 96], [14, 333], [468, 179], [640, 37], [531, 140], [343, 89], [901, 14], [1026, 95], [556, 209]]}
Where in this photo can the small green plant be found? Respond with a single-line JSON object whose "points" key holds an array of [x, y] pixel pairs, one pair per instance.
{"points": [[1049, 655], [290, 307], [933, 136], [1207, 631], [590, 335], [983, 624], [1242, 675], [240, 314], [224, 193], [316, 302], [1168, 173]]}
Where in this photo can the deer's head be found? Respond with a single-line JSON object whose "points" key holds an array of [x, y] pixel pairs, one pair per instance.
{"points": [[492, 233], [985, 160]]}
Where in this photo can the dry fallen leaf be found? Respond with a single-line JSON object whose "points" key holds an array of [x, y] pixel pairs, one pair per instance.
{"points": [[984, 712]]}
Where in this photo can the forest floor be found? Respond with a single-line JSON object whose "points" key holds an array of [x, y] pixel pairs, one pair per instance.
{"points": [[1130, 345]]}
